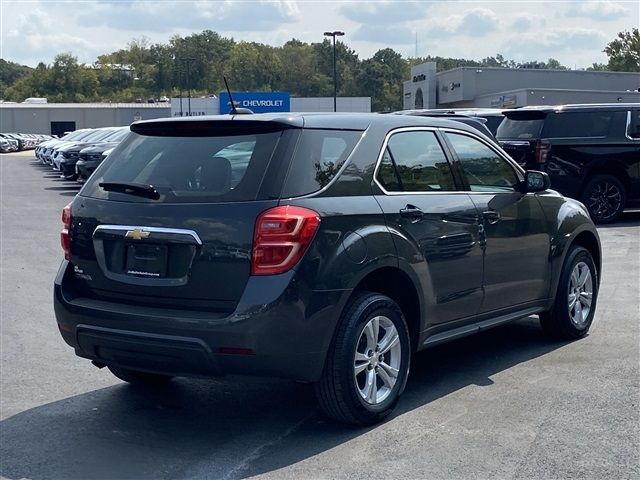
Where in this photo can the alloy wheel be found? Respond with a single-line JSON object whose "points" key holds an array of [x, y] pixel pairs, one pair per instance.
{"points": [[580, 294], [605, 200], [377, 360]]}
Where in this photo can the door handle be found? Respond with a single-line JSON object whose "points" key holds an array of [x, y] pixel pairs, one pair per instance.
{"points": [[491, 217], [412, 212]]}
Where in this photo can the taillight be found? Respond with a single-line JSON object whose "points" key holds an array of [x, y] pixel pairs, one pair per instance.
{"points": [[65, 239], [281, 237], [542, 151]]}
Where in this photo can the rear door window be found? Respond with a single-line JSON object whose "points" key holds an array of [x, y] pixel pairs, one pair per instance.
{"points": [[415, 162], [318, 157], [188, 169]]}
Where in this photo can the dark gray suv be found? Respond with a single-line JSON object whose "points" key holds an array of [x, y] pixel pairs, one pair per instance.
{"points": [[325, 248]]}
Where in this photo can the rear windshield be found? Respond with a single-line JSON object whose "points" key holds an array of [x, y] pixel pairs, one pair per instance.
{"points": [[520, 128], [187, 169]]}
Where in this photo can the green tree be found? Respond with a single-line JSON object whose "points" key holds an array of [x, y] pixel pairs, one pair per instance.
{"points": [[381, 77], [554, 64], [11, 71], [624, 52], [71, 82], [597, 67]]}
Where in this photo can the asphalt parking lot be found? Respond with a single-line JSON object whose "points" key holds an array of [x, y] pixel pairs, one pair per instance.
{"points": [[503, 404]]}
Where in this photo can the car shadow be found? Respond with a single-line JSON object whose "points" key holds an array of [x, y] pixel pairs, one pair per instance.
{"points": [[229, 427], [62, 188]]}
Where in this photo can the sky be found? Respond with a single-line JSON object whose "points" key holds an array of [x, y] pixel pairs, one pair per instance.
{"points": [[573, 32]]}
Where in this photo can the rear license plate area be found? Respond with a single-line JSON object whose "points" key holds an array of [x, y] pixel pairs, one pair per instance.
{"points": [[148, 261]]}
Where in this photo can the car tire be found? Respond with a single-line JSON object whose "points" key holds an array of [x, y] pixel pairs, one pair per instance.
{"points": [[357, 385], [567, 320], [605, 197], [136, 377]]}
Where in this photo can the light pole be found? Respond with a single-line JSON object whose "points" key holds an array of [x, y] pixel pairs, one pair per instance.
{"points": [[188, 61], [334, 34], [177, 66]]}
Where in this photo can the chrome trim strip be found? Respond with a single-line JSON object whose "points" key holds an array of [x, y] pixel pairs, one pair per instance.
{"points": [[628, 128], [173, 231], [434, 129], [381, 154]]}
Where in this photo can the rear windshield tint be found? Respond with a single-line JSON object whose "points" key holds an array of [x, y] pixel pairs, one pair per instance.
{"points": [[318, 157], [524, 128], [190, 169]]}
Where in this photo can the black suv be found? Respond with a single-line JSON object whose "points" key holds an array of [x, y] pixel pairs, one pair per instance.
{"points": [[591, 152], [318, 247]]}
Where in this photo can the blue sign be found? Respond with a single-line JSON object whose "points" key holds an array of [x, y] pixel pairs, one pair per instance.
{"points": [[257, 102]]}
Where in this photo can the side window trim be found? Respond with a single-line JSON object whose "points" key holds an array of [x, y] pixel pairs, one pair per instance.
{"points": [[631, 123], [445, 150], [518, 170]]}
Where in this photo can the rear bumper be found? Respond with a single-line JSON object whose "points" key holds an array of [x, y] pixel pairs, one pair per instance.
{"points": [[279, 329]]}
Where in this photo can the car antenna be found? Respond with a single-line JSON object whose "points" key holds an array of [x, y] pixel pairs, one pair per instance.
{"points": [[233, 109]]}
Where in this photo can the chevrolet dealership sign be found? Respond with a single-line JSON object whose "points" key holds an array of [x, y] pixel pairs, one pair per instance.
{"points": [[257, 102]]}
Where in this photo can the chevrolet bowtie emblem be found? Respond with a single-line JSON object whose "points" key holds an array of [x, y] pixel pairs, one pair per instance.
{"points": [[137, 234]]}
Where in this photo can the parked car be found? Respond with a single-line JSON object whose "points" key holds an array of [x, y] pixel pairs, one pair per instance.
{"points": [[71, 153], [47, 149], [67, 153], [343, 244], [8, 144], [89, 158], [17, 138], [591, 152]]}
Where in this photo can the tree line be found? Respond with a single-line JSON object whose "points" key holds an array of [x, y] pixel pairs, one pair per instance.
{"points": [[198, 62]]}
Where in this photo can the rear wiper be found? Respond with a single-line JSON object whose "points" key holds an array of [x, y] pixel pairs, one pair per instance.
{"points": [[140, 189]]}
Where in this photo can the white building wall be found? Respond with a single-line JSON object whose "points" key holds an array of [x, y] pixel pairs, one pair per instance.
{"points": [[325, 104], [420, 90]]}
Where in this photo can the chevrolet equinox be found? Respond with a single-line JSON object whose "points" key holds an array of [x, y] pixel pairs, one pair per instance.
{"points": [[325, 248]]}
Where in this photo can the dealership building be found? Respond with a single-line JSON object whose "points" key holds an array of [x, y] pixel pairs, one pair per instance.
{"points": [[479, 87], [57, 118]]}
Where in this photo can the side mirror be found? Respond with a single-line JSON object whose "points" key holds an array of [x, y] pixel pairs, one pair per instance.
{"points": [[535, 181]]}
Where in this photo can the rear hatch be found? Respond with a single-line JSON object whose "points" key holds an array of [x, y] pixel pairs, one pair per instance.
{"points": [[519, 134], [168, 219]]}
